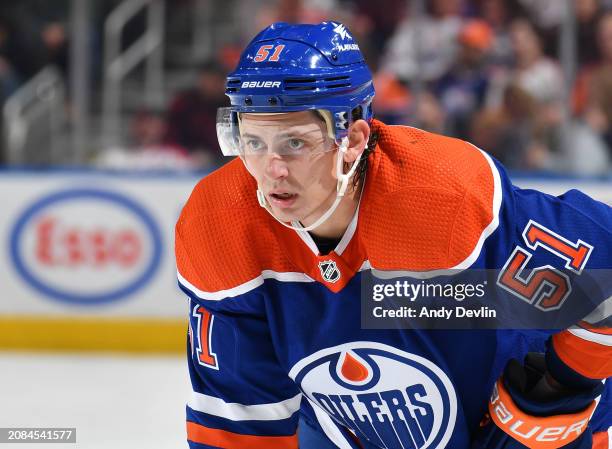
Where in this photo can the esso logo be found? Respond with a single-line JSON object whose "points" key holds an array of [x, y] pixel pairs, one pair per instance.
{"points": [[86, 246], [390, 397]]}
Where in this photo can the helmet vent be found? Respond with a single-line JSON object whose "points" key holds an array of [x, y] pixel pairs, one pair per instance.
{"points": [[300, 83], [336, 82], [334, 86], [307, 84], [337, 78], [233, 85]]}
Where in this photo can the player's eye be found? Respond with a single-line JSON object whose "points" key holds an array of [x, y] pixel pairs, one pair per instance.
{"points": [[254, 146], [295, 145]]}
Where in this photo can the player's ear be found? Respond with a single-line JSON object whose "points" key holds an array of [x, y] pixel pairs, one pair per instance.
{"points": [[358, 135]]}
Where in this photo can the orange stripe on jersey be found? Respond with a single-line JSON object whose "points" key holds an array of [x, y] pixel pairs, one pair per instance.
{"points": [[590, 359], [229, 440], [601, 440], [597, 330]]}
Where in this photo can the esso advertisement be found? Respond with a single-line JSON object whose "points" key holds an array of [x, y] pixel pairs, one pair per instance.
{"points": [[85, 246]]}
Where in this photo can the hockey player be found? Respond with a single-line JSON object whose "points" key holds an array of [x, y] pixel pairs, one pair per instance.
{"points": [[272, 247]]}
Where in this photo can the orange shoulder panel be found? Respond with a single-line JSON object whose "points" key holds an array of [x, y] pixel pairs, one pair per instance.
{"points": [[588, 358], [428, 198], [223, 238]]}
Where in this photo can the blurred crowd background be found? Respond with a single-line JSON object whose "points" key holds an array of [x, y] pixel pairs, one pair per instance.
{"points": [[135, 84]]}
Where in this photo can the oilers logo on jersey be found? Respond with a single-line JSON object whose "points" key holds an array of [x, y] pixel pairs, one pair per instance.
{"points": [[382, 393]]}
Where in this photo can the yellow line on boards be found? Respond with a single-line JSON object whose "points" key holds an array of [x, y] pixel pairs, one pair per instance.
{"points": [[133, 335]]}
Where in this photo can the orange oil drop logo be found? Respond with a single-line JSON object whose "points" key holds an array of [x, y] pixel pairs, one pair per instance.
{"points": [[352, 369]]}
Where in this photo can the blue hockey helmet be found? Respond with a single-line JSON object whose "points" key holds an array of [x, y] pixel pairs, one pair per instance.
{"points": [[289, 68]]}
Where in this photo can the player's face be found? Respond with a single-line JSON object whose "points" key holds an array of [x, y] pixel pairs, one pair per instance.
{"points": [[293, 160]]}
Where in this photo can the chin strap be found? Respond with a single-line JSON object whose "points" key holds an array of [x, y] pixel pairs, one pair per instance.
{"points": [[341, 186]]}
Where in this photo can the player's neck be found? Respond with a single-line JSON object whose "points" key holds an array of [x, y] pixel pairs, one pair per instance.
{"points": [[336, 225]]}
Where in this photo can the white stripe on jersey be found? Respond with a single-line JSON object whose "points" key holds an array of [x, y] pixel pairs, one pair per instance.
{"points": [[585, 334], [601, 313], [238, 412], [492, 226], [246, 287]]}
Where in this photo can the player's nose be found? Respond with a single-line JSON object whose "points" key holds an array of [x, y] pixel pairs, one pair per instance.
{"points": [[276, 167]]}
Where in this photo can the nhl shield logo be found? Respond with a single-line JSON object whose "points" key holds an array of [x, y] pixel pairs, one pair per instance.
{"points": [[329, 271]]}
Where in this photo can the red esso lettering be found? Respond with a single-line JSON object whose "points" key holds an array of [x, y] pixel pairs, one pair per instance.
{"points": [[44, 230], [73, 246], [126, 248], [100, 251]]}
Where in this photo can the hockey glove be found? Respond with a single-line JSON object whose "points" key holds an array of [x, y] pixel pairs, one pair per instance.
{"points": [[525, 411]]}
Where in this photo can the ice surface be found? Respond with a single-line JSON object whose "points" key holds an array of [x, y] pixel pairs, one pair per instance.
{"points": [[114, 401]]}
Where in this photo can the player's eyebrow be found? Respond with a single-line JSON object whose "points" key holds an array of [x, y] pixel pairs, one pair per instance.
{"points": [[283, 135], [292, 133], [251, 136]]}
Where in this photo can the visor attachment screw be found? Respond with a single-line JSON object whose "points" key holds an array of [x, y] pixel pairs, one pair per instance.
{"points": [[248, 101], [272, 100]]}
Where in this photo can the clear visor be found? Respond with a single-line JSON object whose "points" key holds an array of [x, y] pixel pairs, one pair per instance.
{"points": [[302, 133]]}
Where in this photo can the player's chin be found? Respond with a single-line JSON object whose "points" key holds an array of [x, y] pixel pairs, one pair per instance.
{"points": [[286, 214]]}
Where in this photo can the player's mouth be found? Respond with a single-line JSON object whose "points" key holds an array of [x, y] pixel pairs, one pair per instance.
{"points": [[282, 200]]}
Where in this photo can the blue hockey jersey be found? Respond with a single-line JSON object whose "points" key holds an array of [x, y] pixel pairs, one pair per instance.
{"points": [[275, 328]]}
